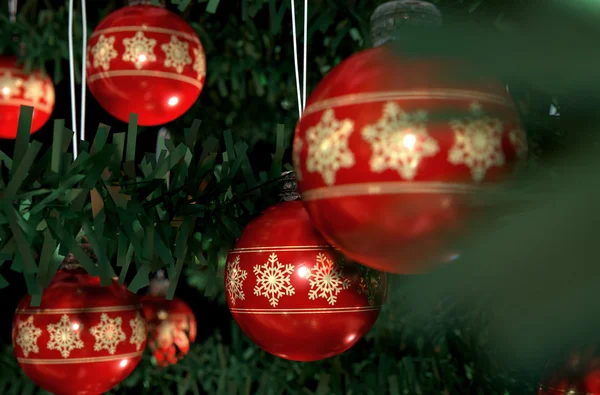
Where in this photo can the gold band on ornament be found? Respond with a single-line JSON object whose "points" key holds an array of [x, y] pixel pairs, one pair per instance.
{"points": [[389, 188], [146, 73], [22, 102], [65, 361], [373, 97], [111, 309], [146, 29], [279, 249], [324, 310]]}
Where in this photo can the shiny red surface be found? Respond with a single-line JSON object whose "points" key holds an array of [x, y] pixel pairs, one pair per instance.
{"points": [[400, 231], [171, 328], [579, 374], [13, 95], [156, 92], [85, 371], [299, 328]]}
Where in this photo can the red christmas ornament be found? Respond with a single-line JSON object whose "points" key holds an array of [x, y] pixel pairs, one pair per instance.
{"points": [[578, 375], [290, 292], [146, 60], [390, 150], [18, 88], [171, 328], [83, 339]]}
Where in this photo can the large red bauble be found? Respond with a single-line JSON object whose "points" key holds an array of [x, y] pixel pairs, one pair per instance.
{"points": [[18, 88], [171, 328], [389, 149], [145, 60], [290, 292], [579, 374], [83, 339]]}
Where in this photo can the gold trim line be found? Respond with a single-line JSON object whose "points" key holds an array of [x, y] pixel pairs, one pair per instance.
{"points": [[326, 310], [279, 249], [108, 309], [373, 97], [146, 29], [65, 361], [146, 73]]}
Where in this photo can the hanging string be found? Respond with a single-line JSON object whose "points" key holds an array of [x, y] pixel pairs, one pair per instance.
{"points": [[72, 75], [83, 67], [304, 57], [301, 93], [12, 10]]}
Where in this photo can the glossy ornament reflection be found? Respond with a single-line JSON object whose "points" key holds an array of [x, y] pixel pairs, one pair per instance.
{"points": [[146, 60], [290, 292], [577, 374]]}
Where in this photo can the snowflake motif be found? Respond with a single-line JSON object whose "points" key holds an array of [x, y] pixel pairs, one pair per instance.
{"points": [[138, 331], [235, 280], [296, 150], [49, 97], [399, 141], [199, 63], [328, 149], [34, 89], [518, 138], [10, 86], [327, 279], [139, 49], [64, 336], [273, 280], [177, 54], [108, 333], [478, 144], [369, 285], [103, 52], [27, 336]]}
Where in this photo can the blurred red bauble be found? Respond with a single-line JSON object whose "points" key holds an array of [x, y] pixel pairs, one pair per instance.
{"points": [[18, 88], [390, 150], [578, 374], [290, 292], [146, 60], [171, 328], [83, 339]]}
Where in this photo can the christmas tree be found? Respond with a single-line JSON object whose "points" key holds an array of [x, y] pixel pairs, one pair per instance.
{"points": [[521, 293]]}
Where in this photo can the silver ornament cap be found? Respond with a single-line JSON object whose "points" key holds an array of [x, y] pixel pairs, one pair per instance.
{"points": [[388, 17], [289, 187], [160, 3]]}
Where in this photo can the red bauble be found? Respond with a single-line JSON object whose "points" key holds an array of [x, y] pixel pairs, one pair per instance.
{"points": [[18, 88], [292, 295], [389, 149], [579, 374], [145, 60], [83, 339], [171, 328]]}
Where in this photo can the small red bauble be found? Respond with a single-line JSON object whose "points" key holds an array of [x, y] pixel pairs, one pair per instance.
{"points": [[579, 374], [83, 339], [389, 148], [18, 88], [171, 328], [290, 292], [145, 60]]}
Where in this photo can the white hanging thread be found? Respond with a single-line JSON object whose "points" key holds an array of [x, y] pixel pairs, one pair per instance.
{"points": [[83, 67], [72, 75], [301, 96], [12, 10]]}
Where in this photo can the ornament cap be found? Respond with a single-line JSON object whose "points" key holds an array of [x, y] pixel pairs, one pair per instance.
{"points": [[71, 263], [159, 285], [388, 17], [289, 187], [160, 3]]}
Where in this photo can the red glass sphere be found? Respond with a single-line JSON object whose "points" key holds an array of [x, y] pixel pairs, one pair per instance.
{"points": [[578, 374], [290, 292], [18, 88], [171, 328], [145, 60], [83, 339], [390, 150]]}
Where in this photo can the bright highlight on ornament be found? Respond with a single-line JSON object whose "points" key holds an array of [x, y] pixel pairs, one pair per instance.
{"points": [[303, 272], [75, 327], [409, 141], [123, 363], [6, 91], [142, 58], [173, 101]]}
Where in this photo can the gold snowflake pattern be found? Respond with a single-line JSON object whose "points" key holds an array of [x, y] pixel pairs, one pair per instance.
{"points": [[177, 54], [64, 336], [477, 144], [199, 63], [27, 336], [399, 141], [103, 52], [138, 331], [108, 333], [328, 149], [296, 151], [273, 280], [235, 280], [518, 139], [34, 89], [326, 280], [49, 96], [10, 86], [139, 50]]}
